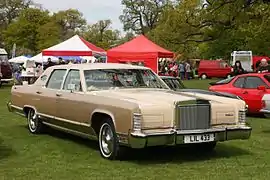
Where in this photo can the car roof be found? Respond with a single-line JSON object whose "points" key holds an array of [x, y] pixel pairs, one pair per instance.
{"points": [[88, 66], [254, 74]]}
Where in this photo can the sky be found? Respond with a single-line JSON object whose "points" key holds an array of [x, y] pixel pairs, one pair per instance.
{"points": [[93, 10]]}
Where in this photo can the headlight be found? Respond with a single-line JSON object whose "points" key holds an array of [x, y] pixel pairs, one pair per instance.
{"points": [[137, 117], [242, 117]]}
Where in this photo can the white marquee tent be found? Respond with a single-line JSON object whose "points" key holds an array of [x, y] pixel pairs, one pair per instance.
{"points": [[43, 59], [19, 59], [75, 46]]}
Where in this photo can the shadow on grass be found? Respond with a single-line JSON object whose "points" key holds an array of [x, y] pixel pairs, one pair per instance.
{"points": [[266, 131], [182, 154], [5, 151], [70, 137], [157, 155]]}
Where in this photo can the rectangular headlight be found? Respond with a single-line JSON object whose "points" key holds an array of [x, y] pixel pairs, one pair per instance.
{"points": [[137, 126], [242, 117]]}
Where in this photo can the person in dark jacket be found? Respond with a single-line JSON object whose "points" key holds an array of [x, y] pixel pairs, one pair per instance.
{"points": [[238, 69], [49, 63], [264, 66]]}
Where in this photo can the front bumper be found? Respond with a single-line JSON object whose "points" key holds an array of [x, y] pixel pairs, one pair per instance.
{"points": [[6, 80], [175, 137], [265, 111]]}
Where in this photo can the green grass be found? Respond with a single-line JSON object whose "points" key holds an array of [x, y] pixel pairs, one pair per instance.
{"points": [[56, 155]]}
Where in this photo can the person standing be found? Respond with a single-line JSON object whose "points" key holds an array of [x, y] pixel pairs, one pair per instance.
{"points": [[238, 69], [49, 64], [181, 69], [264, 66], [188, 70]]}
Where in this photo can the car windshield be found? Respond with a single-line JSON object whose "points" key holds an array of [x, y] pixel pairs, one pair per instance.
{"points": [[103, 79], [174, 83], [225, 81]]}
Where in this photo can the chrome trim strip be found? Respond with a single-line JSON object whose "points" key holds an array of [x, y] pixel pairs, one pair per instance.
{"points": [[16, 107], [65, 120], [264, 111], [70, 131]]}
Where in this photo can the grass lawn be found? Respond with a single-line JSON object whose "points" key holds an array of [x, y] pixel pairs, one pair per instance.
{"points": [[60, 156]]}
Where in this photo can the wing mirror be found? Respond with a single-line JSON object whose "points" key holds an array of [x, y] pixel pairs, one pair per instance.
{"points": [[261, 88]]}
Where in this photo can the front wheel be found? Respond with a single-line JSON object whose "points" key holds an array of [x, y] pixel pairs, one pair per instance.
{"points": [[108, 142]]}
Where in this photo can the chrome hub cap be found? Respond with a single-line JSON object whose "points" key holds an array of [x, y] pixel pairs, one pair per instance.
{"points": [[107, 140], [32, 120]]}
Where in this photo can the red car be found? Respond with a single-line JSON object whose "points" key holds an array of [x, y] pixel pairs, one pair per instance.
{"points": [[250, 87]]}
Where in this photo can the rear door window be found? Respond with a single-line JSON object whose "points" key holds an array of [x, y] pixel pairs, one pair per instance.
{"points": [[253, 82]]}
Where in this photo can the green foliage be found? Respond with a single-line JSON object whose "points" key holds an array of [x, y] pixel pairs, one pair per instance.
{"points": [[214, 29], [101, 34], [141, 16], [24, 31]]}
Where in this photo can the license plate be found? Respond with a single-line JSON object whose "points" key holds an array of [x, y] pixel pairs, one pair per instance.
{"points": [[199, 138]]}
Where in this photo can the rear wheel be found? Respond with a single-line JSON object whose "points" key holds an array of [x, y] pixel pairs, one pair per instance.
{"points": [[108, 141], [35, 126], [204, 76]]}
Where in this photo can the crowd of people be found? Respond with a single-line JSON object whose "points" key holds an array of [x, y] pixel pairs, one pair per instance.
{"points": [[184, 70]]}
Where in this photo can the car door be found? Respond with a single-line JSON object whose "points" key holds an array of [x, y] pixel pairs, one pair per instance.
{"points": [[237, 87], [46, 104], [251, 94], [72, 106]]}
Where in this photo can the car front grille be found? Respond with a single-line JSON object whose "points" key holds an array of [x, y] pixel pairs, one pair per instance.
{"points": [[193, 116]]}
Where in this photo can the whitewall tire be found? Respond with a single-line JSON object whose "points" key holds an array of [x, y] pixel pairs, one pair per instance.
{"points": [[108, 141], [204, 76]]}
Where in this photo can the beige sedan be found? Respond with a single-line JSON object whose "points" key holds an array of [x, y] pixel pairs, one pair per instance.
{"points": [[124, 105]]}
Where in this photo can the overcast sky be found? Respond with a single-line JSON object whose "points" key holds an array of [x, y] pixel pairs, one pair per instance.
{"points": [[93, 10]]}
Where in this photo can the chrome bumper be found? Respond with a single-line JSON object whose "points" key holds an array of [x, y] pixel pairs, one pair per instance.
{"points": [[174, 137], [15, 109], [10, 109], [265, 111], [6, 80]]}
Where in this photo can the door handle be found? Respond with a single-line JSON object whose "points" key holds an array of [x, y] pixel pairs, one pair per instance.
{"points": [[245, 92], [58, 94], [38, 92]]}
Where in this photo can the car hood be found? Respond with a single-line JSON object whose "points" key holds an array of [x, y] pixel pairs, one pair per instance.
{"points": [[146, 97]]}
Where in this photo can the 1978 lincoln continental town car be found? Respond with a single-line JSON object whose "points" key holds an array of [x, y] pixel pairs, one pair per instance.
{"points": [[124, 105]]}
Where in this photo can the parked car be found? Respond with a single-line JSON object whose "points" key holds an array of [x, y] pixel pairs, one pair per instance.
{"points": [[5, 72], [250, 87], [124, 105], [176, 84], [266, 105], [214, 69]]}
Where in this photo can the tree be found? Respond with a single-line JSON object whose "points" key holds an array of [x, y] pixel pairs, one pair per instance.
{"points": [[101, 34], [70, 21], [48, 35], [141, 16], [25, 30], [213, 29], [9, 10]]}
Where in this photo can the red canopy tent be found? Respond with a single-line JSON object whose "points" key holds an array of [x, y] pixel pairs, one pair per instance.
{"points": [[139, 49], [75, 46]]}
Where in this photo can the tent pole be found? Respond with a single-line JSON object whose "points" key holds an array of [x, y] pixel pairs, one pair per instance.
{"points": [[42, 64]]}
